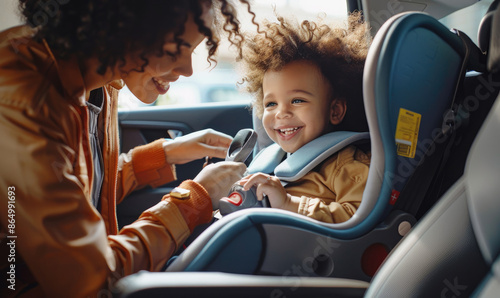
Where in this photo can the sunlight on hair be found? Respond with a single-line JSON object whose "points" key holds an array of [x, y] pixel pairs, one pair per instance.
{"points": [[218, 83]]}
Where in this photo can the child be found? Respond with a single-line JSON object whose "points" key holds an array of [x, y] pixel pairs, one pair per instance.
{"points": [[307, 80]]}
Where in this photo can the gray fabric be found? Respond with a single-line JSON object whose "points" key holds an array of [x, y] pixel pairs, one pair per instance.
{"points": [[94, 105], [483, 168], [484, 31], [494, 51], [439, 253], [263, 140]]}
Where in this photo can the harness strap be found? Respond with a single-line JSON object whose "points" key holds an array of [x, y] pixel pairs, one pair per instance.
{"points": [[273, 160]]}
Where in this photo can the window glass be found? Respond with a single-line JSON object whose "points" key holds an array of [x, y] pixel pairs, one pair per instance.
{"points": [[219, 83]]}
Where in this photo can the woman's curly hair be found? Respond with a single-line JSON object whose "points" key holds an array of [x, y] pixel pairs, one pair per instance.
{"points": [[111, 29], [338, 51]]}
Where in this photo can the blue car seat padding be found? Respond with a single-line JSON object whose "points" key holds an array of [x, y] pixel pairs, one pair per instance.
{"points": [[250, 237], [476, 93], [414, 64], [295, 166], [417, 72]]}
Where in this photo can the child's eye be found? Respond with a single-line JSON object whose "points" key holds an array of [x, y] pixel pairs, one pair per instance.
{"points": [[270, 104], [298, 100]]}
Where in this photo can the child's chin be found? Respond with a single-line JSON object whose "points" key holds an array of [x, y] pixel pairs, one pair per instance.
{"points": [[289, 149]]}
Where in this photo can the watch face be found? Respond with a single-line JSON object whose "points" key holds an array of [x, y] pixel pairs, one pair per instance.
{"points": [[180, 193]]}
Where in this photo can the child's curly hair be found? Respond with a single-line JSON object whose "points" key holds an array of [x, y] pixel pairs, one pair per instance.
{"points": [[111, 29], [338, 52]]}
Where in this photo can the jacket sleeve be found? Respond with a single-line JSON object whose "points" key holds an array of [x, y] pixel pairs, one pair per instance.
{"points": [[141, 166], [348, 181], [60, 235]]}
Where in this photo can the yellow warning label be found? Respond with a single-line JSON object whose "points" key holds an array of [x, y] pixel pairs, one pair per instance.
{"points": [[407, 133]]}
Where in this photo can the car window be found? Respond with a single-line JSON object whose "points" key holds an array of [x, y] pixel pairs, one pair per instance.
{"points": [[219, 83]]}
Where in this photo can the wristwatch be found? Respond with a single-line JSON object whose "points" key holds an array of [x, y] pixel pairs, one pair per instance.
{"points": [[180, 193]]}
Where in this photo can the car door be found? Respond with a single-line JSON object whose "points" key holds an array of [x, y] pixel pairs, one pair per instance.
{"points": [[141, 126]]}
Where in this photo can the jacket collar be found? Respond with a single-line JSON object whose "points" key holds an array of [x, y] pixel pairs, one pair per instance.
{"points": [[71, 79], [70, 74], [39, 56]]}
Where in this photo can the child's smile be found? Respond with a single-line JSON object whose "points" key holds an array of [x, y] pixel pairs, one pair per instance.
{"points": [[288, 133]]}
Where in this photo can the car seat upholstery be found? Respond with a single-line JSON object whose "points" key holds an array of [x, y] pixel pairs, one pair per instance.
{"points": [[414, 63], [263, 140]]}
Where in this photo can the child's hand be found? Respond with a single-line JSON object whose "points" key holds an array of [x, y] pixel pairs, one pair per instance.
{"points": [[269, 186]]}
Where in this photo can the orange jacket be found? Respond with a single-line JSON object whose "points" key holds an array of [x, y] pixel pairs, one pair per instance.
{"points": [[59, 244]]}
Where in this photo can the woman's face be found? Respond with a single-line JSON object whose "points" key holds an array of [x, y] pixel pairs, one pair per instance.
{"points": [[161, 71], [297, 106]]}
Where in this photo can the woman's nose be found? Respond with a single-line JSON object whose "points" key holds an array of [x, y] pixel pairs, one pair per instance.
{"points": [[184, 66]]}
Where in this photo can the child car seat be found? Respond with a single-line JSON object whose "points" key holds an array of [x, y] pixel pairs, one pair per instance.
{"points": [[412, 72]]}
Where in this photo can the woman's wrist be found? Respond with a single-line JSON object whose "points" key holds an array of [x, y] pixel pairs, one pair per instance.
{"points": [[167, 147], [196, 209]]}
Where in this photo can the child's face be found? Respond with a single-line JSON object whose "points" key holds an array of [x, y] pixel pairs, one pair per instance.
{"points": [[297, 106]]}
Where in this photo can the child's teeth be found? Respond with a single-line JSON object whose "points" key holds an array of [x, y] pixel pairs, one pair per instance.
{"points": [[288, 131]]}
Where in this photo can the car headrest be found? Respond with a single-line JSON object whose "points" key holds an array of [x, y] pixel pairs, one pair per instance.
{"points": [[484, 32], [263, 140], [494, 50]]}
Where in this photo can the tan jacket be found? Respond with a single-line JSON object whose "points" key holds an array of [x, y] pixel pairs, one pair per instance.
{"points": [[60, 244], [333, 191]]}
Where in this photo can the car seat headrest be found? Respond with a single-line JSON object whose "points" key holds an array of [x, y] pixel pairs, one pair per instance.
{"points": [[494, 46], [263, 140], [484, 32]]}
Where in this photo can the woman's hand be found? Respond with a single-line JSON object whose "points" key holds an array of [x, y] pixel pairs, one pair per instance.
{"points": [[197, 145], [217, 179], [271, 187]]}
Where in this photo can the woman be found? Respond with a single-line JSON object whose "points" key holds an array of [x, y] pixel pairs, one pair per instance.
{"points": [[59, 79]]}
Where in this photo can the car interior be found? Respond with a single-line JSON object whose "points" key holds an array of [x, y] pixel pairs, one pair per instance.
{"points": [[428, 222], [427, 216]]}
